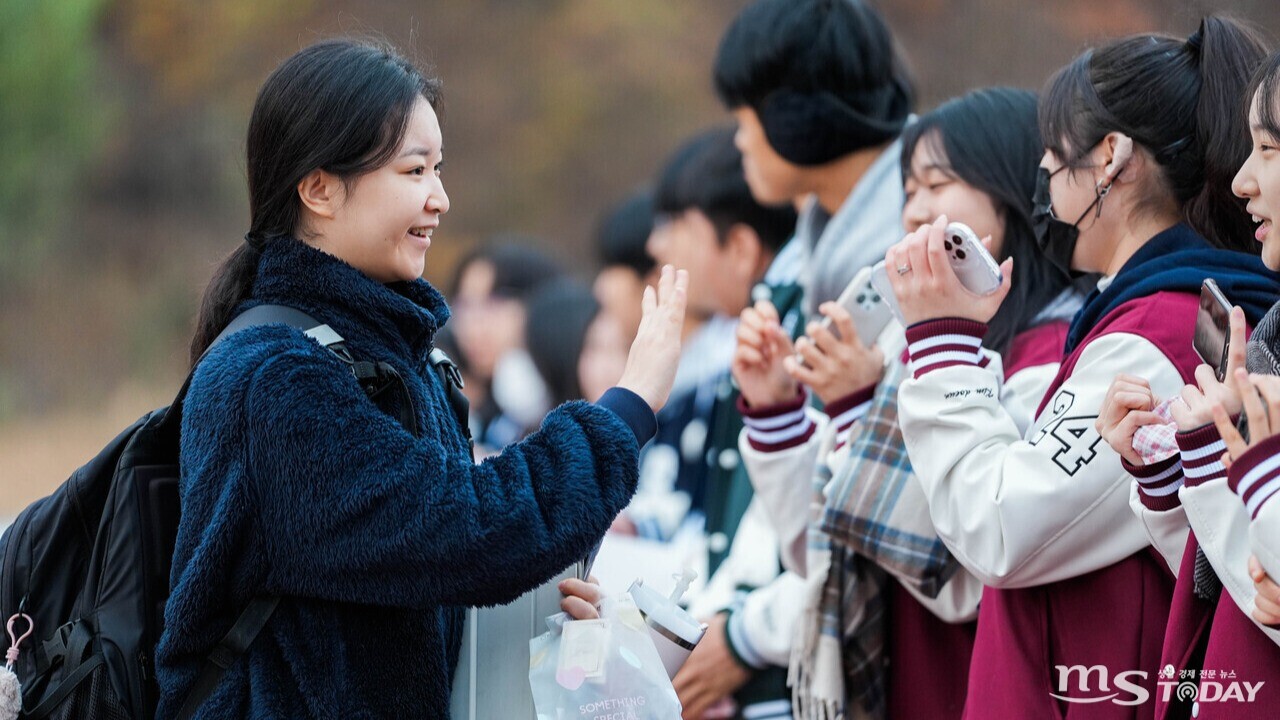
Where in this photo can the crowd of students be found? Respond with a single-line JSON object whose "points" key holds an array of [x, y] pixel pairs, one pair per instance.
{"points": [[956, 518], [951, 519]]}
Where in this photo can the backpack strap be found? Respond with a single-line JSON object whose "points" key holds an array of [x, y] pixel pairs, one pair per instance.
{"points": [[451, 376], [171, 423], [232, 646]]}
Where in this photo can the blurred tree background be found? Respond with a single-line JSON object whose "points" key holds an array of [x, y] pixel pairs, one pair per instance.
{"points": [[121, 143]]}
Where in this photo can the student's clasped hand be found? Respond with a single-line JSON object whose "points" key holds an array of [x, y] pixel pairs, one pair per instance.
{"points": [[651, 364], [926, 285], [1127, 406], [758, 360], [835, 366]]}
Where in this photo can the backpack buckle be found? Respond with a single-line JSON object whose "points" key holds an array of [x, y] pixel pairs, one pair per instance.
{"points": [[54, 649]]}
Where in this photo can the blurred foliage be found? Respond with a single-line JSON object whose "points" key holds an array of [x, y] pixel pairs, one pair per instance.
{"points": [[190, 48], [51, 120], [122, 136]]}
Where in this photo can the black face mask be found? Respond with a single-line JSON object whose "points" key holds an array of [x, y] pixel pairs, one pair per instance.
{"points": [[1057, 238]]}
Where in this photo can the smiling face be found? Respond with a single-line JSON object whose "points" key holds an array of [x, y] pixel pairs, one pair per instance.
{"points": [[381, 223], [1258, 182], [932, 190]]}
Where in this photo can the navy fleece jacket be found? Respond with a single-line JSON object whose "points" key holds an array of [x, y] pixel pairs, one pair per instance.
{"points": [[295, 484]]}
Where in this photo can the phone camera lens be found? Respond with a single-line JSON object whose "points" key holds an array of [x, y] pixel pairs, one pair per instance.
{"points": [[875, 298], [960, 254], [862, 299], [947, 244], [957, 239]]}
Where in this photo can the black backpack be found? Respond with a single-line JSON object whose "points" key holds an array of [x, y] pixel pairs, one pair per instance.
{"points": [[90, 564]]}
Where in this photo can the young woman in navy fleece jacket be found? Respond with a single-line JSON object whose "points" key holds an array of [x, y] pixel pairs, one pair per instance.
{"points": [[296, 485]]}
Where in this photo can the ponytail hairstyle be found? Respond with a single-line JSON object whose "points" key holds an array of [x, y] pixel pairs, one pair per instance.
{"points": [[990, 142], [341, 106], [1180, 100]]}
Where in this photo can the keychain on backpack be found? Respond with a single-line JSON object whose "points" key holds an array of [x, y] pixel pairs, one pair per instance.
{"points": [[10, 690]]}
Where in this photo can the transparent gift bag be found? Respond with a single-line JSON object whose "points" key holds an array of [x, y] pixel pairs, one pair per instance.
{"points": [[605, 668]]}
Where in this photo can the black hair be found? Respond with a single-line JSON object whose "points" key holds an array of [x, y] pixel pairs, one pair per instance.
{"points": [[340, 105], [519, 267], [989, 140], [624, 232], [841, 47], [1178, 99], [1265, 85], [558, 317], [705, 174]]}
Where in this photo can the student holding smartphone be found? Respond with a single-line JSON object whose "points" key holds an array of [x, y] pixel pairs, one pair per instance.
{"points": [[1208, 511], [975, 158], [1043, 518]]}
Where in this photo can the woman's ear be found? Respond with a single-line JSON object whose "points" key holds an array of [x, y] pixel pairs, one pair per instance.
{"points": [[1121, 162], [321, 193]]}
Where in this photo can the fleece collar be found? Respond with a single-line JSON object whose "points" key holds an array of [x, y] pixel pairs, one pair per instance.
{"points": [[1179, 260], [399, 316]]}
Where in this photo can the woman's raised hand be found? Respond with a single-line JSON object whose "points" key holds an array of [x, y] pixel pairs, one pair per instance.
{"points": [[758, 359], [651, 364]]}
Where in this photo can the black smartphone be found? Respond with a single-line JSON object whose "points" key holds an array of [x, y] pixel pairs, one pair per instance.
{"points": [[1212, 338]]}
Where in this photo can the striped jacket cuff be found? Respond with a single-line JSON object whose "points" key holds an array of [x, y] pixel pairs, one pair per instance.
{"points": [[778, 427], [937, 344], [1158, 482], [1255, 477], [847, 411], [1202, 450]]}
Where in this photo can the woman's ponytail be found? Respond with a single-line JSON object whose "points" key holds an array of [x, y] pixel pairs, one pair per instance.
{"points": [[1183, 101], [1227, 54], [231, 285]]}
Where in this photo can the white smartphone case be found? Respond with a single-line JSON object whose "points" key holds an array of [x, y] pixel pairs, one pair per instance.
{"points": [[979, 273], [866, 305]]}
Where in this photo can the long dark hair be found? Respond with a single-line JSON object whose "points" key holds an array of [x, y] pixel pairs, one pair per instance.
{"points": [[990, 141], [339, 105], [1179, 99]]}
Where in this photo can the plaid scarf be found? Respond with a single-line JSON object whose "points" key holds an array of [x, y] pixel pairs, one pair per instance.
{"points": [[837, 664], [876, 508]]}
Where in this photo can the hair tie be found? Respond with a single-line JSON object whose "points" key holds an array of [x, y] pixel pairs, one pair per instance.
{"points": [[1195, 41], [1170, 152], [254, 241]]}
